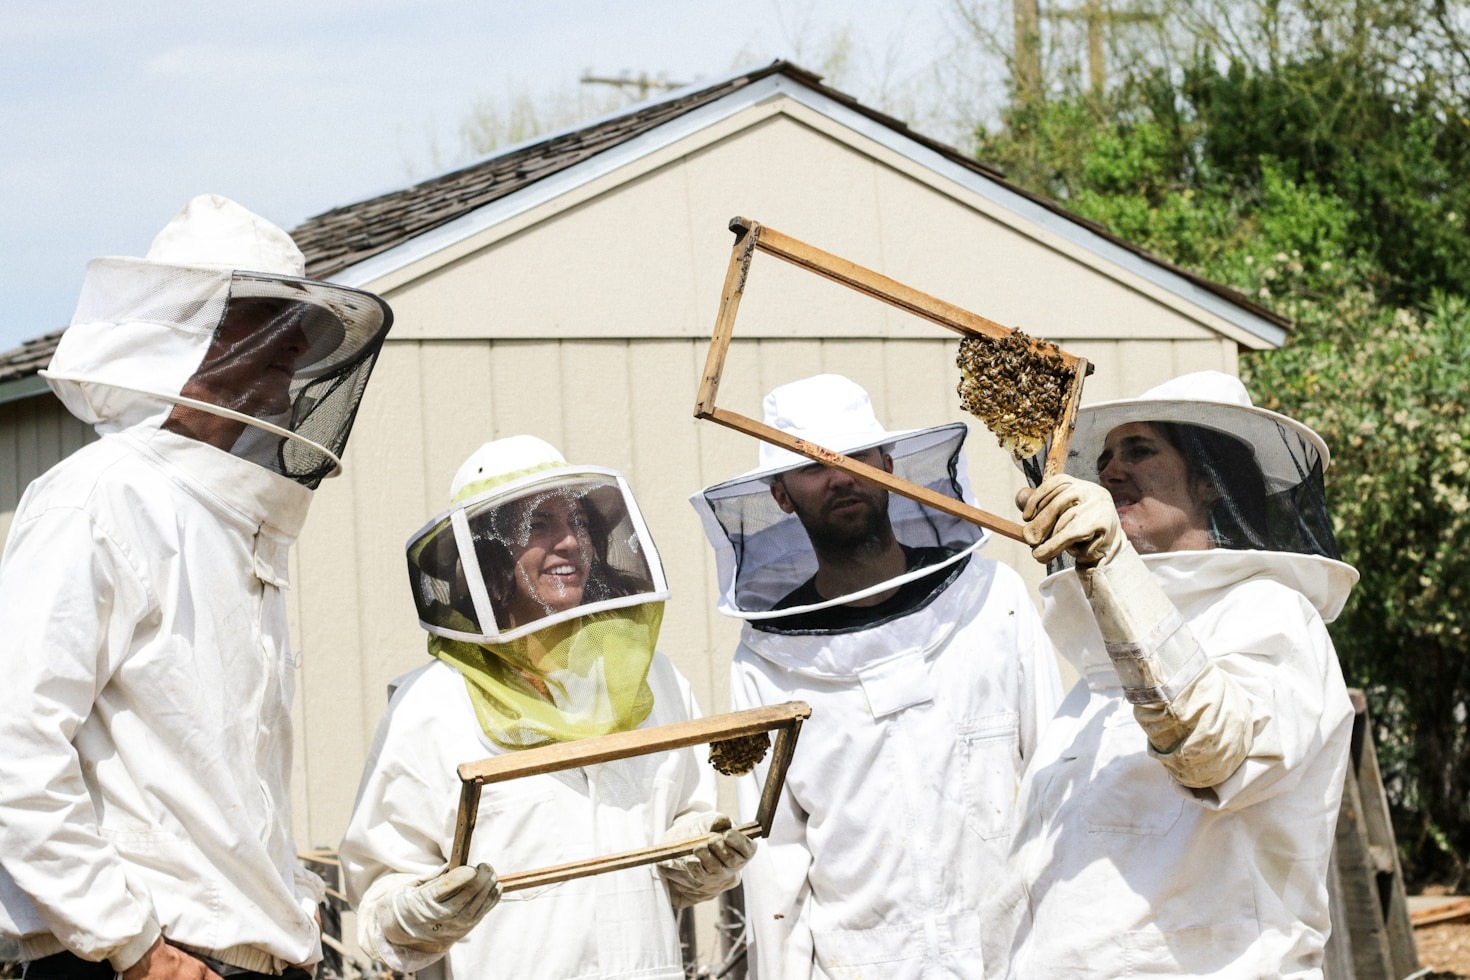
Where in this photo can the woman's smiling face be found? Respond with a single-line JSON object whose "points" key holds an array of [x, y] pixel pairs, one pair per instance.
{"points": [[1160, 506], [553, 554]]}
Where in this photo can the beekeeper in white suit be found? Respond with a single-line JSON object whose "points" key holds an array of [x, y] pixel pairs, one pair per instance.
{"points": [[928, 675], [542, 595], [144, 805], [1179, 816]]}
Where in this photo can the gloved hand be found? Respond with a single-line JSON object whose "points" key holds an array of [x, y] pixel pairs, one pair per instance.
{"points": [[430, 916], [1197, 718], [1068, 514], [714, 866]]}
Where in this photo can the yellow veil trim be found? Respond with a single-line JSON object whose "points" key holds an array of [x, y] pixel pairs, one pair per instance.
{"points": [[584, 677]]}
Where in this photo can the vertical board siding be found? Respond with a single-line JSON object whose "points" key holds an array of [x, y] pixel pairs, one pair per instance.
{"points": [[35, 434], [626, 404]]}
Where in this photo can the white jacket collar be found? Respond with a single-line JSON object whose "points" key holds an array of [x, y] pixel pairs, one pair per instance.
{"points": [[846, 655], [260, 500], [1189, 578]]}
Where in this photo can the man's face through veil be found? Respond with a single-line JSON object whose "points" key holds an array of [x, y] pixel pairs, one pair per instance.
{"points": [[253, 359], [249, 368], [838, 510]]}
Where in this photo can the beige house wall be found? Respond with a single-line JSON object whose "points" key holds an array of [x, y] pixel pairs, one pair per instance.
{"points": [[586, 320]]}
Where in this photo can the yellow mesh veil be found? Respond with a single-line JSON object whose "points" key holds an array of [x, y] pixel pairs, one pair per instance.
{"points": [[576, 679]]}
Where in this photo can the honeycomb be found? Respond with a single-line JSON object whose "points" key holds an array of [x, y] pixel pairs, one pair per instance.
{"points": [[1017, 385], [738, 756]]}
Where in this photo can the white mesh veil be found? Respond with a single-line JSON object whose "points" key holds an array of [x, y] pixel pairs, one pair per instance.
{"points": [[532, 552], [1265, 469]]}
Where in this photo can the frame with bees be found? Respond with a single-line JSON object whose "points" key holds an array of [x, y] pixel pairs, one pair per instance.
{"points": [[1023, 389]]}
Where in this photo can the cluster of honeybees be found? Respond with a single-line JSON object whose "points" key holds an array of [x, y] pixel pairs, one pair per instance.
{"points": [[1016, 385], [738, 756]]}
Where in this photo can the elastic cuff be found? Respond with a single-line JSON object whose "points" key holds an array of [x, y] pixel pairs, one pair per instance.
{"points": [[129, 953]]}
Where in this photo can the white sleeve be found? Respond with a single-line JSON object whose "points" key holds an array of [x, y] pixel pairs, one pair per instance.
{"points": [[777, 895], [69, 605], [1275, 649], [1198, 718], [395, 836]]}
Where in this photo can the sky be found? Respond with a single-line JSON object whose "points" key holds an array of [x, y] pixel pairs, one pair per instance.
{"points": [[114, 114]]}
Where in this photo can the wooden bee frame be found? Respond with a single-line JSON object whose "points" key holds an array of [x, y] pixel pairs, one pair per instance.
{"points": [[784, 719], [751, 237]]}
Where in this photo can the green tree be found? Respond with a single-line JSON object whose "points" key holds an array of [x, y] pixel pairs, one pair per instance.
{"points": [[1312, 153]]}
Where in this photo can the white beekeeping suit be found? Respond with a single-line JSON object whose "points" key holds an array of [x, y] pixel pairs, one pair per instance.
{"points": [[542, 594], [149, 675], [1179, 816], [896, 812]]}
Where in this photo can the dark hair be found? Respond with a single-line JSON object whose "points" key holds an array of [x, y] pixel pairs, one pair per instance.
{"points": [[1238, 517]]}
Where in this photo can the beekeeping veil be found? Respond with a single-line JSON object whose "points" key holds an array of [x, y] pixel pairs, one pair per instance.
{"points": [[215, 335], [1264, 470], [764, 554], [542, 586]]}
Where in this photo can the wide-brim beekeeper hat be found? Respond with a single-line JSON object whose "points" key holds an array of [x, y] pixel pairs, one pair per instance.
{"points": [[146, 326], [1211, 400], [763, 553], [1267, 485]]}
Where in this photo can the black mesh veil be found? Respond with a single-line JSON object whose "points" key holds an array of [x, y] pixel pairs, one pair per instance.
{"points": [[326, 343], [270, 368], [1266, 472], [764, 552]]}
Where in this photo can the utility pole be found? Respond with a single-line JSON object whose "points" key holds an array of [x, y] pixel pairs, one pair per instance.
{"points": [[1027, 58], [641, 82], [1099, 18]]}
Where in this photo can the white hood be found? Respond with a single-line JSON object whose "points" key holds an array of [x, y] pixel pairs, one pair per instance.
{"points": [[220, 295]]}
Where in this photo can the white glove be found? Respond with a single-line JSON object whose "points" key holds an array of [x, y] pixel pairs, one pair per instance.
{"points": [[1068, 514], [1197, 717], [714, 866], [430, 916]]}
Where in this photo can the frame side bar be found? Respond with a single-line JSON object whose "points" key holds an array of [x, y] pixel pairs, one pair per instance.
{"points": [[464, 823], [948, 505], [747, 239], [1061, 437], [781, 755]]}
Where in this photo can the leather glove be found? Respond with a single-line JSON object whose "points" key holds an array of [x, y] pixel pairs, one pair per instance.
{"points": [[1196, 716], [1068, 514], [430, 916], [714, 866]]}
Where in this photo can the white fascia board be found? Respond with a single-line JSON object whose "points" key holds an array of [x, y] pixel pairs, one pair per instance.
{"points": [[547, 189], [474, 222]]}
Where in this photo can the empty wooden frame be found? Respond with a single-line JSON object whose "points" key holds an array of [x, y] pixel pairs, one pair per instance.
{"points": [[784, 719], [751, 237]]}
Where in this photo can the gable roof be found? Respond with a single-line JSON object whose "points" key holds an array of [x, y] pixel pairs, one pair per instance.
{"points": [[352, 243], [347, 235], [344, 237]]}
